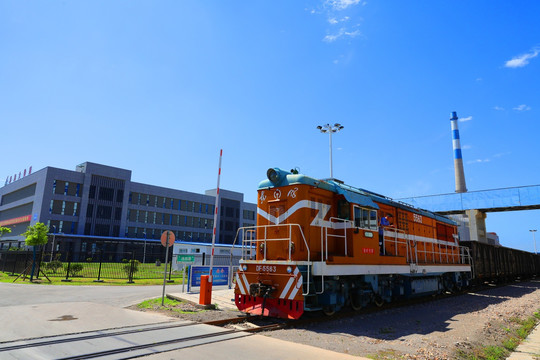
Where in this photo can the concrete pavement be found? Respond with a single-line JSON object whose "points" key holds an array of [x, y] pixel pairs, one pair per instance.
{"points": [[36, 311]]}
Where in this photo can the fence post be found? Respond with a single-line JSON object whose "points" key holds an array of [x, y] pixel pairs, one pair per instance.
{"points": [[14, 263], [67, 279], [130, 276], [40, 260], [170, 271], [99, 270]]}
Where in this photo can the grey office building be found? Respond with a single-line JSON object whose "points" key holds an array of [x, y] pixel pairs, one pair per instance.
{"points": [[98, 205]]}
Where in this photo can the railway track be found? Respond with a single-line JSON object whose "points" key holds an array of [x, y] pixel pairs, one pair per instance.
{"points": [[135, 341]]}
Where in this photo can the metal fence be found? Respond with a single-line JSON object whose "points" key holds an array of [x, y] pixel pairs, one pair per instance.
{"points": [[103, 265], [97, 267]]}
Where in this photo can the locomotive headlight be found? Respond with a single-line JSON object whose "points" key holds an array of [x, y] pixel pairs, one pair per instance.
{"points": [[273, 175], [289, 269], [244, 267]]}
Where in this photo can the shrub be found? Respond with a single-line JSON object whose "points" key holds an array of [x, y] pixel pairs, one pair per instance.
{"points": [[89, 259], [53, 266], [74, 269], [127, 267]]}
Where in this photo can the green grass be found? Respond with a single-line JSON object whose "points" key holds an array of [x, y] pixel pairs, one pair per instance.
{"points": [[152, 303], [114, 270], [168, 304], [7, 278], [515, 336]]}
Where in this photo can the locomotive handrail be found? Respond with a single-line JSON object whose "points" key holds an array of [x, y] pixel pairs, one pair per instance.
{"points": [[347, 224], [445, 252], [394, 232], [253, 242]]}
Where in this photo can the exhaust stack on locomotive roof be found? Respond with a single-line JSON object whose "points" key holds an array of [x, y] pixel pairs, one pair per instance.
{"points": [[458, 160]]}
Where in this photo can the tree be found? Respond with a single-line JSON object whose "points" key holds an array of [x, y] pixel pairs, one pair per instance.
{"points": [[4, 230], [36, 235]]}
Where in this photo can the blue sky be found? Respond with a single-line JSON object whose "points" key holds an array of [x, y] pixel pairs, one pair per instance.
{"points": [[159, 87]]}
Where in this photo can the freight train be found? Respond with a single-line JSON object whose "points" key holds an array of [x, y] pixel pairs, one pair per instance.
{"points": [[323, 245]]}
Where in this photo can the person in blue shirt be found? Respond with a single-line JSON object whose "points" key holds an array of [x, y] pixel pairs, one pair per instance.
{"points": [[382, 224]]}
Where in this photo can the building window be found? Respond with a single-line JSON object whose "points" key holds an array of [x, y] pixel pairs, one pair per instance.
{"points": [[106, 194], [78, 189], [89, 210], [92, 192], [119, 196], [118, 213], [104, 212], [54, 187]]}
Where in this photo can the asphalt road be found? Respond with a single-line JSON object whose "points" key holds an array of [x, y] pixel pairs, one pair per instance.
{"points": [[117, 296]]}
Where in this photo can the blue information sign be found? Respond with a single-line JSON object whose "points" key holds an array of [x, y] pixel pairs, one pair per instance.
{"points": [[220, 275]]}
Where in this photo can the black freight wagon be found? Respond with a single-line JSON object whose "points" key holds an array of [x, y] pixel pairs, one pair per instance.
{"points": [[494, 263]]}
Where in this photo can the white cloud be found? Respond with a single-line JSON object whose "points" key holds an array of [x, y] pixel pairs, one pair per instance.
{"points": [[478, 161], [468, 118], [522, 107], [342, 4], [502, 154], [333, 21], [466, 147], [522, 60], [342, 32], [498, 108]]}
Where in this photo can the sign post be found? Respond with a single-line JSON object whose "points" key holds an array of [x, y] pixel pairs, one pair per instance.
{"points": [[167, 239], [185, 259]]}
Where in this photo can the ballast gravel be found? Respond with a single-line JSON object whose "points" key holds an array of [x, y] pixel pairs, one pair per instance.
{"points": [[446, 328]]}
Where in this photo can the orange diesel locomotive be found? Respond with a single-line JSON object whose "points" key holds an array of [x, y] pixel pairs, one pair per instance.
{"points": [[320, 245]]}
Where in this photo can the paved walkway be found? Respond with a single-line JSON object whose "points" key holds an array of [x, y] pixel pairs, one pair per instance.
{"points": [[529, 349]]}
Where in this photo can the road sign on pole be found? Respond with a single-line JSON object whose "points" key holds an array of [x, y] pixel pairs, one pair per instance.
{"points": [[167, 239]]}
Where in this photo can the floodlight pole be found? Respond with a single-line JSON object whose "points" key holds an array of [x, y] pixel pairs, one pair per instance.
{"points": [[534, 239], [327, 128], [52, 248], [144, 252]]}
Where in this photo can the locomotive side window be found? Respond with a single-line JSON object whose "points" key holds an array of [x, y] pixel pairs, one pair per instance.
{"points": [[365, 218], [357, 217], [344, 209], [373, 219]]}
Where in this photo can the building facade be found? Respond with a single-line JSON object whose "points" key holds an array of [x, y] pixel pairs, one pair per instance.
{"points": [[98, 204]]}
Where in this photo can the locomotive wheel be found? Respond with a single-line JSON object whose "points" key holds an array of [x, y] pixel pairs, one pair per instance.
{"points": [[356, 301], [329, 310], [378, 301]]}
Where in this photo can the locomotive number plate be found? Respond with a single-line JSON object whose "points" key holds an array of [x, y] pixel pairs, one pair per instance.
{"points": [[265, 268]]}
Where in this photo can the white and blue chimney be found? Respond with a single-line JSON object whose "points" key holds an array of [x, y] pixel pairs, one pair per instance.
{"points": [[458, 159]]}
